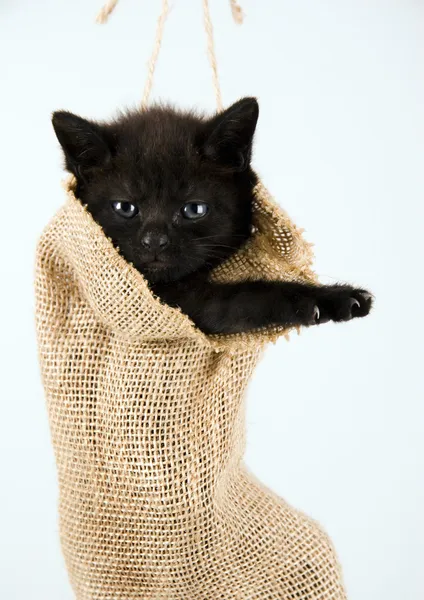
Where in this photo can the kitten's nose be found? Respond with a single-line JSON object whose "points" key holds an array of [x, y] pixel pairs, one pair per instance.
{"points": [[156, 242]]}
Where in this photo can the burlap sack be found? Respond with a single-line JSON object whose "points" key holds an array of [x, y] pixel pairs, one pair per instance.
{"points": [[148, 425]]}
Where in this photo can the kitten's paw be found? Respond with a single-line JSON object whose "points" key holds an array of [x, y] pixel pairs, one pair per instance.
{"points": [[306, 310], [342, 303], [318, 318]]}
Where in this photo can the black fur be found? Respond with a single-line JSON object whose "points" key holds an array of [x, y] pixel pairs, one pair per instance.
{"points": [[156, 161]]}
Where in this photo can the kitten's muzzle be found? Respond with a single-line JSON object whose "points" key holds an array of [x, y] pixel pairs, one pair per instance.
{"points": [[155, 242]]}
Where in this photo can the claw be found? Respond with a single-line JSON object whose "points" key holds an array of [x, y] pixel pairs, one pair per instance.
{"points": [[316, 314], [353, 302], [366, 296]]}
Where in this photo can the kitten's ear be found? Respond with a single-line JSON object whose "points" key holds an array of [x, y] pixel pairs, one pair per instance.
{"points": [[83, 142], [228, 136]]}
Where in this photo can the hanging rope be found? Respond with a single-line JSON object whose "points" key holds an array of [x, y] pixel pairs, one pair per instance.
{"points": [[238, 18], [155, 54], [211, 54], [237, 13], [106, 11]]}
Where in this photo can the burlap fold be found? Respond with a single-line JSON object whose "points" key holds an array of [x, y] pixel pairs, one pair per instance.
{"points": [[148, 426]]}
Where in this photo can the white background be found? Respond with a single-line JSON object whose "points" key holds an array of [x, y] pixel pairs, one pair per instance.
{"points": [[335, 417]]}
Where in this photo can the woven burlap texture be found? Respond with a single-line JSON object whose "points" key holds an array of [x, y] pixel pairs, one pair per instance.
{"points": [[147, 419]]}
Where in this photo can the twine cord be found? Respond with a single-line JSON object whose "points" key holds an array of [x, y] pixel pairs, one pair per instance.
{"points": [[211, 53], [106, 11], [154, 57], [237, 14]]}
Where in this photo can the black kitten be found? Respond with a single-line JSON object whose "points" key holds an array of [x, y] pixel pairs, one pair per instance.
{"points": [[174, 191]]}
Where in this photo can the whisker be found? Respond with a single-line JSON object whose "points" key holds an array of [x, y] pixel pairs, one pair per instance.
{"points": [[208, 237], [217, 246]]}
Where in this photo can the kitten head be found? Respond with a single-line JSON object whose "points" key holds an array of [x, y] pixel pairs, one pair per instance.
{"points": [[171, 189]]}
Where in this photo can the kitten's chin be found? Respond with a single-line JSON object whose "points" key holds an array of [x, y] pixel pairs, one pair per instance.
{"points": [[157, 272]]}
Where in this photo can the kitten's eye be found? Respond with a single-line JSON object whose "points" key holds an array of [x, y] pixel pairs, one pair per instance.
{"points": [[125, 209], [194, 210]]}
